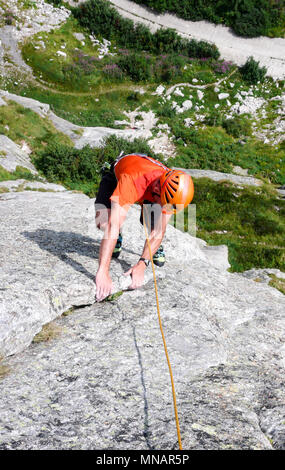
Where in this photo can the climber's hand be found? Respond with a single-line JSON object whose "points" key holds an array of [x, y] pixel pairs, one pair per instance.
{"points": [[137, 273], [103, 285]]}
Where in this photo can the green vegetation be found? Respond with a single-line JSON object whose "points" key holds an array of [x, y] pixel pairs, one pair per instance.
{"points": [[249, 220], [251, 72], [19, 173], [80, 169], [21, 124], [248, 18], [214, 149], [104, 20], [278, 283], [76, 65], [113, 297]]}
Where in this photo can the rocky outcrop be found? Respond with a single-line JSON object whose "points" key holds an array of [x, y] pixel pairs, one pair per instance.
{"points": [[104, 383], [21, 185], [49, 257], [11, 156], [81, 136], [219, 176]]}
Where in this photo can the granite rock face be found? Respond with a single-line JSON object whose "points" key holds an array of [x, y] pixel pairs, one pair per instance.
{"points": [[104, 382], [49, 254], [11, 156]]}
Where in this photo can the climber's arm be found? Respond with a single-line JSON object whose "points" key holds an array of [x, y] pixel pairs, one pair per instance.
{"points": [[103, 279]]}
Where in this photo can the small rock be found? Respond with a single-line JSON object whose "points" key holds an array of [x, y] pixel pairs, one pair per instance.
{"points": [[159, 91], [200, 94], [60, 53], [187, 105], [223, 96], [178, 92]]}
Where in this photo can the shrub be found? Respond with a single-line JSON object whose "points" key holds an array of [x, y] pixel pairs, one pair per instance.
{"points": [[137, 66], [202, 49], [252, 72], [113, 72], [80, 168], [9, 17], [237, 127], [246, 17], [103, 20], [222, 67], [251, 23], [166, 110], [63, 163], [56, 3]]}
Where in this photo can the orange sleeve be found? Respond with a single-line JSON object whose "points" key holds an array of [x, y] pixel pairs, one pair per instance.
{"points": [[125, 193]]}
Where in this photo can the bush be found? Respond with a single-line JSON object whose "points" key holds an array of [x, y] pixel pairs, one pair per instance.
{"points": [[113, 72], [246, 17], [55, 3], [250, 24], [64, 163], [103, 20], [237, 127], [80, 168], [251, 72], [137, 66]]}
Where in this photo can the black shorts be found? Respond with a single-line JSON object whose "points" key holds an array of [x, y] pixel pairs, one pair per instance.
{"points": [[107, 186]]}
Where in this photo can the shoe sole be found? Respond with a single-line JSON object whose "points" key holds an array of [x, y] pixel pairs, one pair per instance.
{"points": [[159, 263]]}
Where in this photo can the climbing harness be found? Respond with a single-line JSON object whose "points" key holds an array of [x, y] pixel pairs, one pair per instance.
{"points": [[163, 339]]}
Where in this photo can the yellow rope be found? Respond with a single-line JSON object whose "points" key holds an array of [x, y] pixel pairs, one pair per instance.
{"points": [[163, 339]]}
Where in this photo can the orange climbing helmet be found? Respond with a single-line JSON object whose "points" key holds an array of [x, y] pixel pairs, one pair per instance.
{"points": [[177, 188]]}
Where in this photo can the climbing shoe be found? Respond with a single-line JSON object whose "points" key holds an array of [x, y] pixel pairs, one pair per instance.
{"points": [[159, 257], [118, 247]]}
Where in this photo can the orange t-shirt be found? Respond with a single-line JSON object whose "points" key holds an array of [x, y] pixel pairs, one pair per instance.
{"points": [[135, 173]]}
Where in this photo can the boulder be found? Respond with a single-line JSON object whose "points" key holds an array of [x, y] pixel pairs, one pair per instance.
{"points": [[223, 96], [104, 382]]}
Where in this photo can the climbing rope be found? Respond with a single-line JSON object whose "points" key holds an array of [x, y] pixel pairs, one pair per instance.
{"points": [[163, 339]]}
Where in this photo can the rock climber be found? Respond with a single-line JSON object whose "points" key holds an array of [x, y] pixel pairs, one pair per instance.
{"points": [[161, 192]]}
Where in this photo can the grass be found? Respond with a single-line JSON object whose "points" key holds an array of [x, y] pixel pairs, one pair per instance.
{"points": [[214, 149], [113, 297], [48, 332], [252, 218], [278, 283], [21, 124], [19, 173]]}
